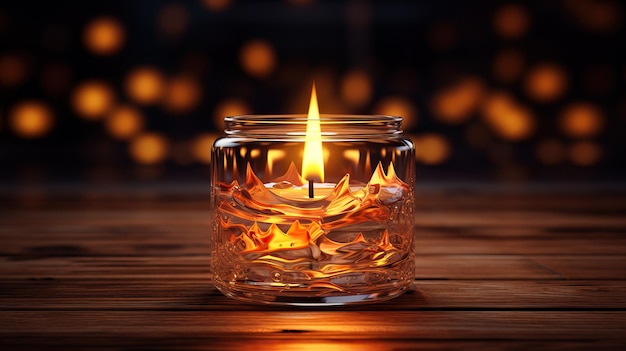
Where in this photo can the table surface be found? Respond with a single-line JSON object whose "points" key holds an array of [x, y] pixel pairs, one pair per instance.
{"points": [[522, 269]]}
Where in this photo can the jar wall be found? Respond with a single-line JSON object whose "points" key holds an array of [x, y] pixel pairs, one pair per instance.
{"points": [[351, 243]]}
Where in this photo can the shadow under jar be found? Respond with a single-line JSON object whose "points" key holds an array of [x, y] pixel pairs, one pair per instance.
{"points": [[345, 238]]}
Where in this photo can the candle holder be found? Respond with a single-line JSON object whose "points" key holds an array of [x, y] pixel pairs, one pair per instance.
{"points": [[342, 236]]}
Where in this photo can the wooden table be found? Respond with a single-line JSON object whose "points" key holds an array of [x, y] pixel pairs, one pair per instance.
{"points": [[522, 269]]}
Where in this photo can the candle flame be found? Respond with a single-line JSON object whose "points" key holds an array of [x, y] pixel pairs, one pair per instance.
{"points": [[313, 157]]}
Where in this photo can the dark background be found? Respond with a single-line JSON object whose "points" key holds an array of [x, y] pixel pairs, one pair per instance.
{"points": [[126, 91]]}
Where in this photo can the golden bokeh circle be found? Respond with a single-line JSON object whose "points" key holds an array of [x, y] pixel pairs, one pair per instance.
{"points": [[124, 122], [182, 94], [145, 85], [149, 148], [546, 82], [92, 99], [202, 146], [356, 88], [30, 119], [585, 153], [104, 36], [258, 58], [581, 120], [511, 21], [398, 106], [229, 107]]}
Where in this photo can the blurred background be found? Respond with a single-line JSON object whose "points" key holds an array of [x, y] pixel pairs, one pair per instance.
{"points": [[135, 91]]}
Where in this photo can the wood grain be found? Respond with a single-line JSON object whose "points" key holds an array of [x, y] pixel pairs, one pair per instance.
{"points": [[496, 270]]}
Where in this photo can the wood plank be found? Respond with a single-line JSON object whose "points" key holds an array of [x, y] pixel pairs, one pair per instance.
{"points": [[518, 325], [197, 294], [171, 267], [585, 267], [294, 341]]}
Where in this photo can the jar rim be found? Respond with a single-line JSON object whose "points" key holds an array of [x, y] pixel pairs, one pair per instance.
{"points": [[325, 119]]}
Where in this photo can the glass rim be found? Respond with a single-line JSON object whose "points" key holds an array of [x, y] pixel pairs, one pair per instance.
{"points": [[325, 118]]}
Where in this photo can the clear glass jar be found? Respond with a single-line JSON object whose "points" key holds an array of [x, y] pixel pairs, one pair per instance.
{"points": [[279, 239]]}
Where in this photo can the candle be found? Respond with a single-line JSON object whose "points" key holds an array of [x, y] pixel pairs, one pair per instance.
{"points": [[322, 235]]}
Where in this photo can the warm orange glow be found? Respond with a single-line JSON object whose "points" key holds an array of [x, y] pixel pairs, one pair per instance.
{"points": [[508, 65], [173, 19], [13, 70], [551, 152], [92, 99], [230, 107], [581, 120], [456, 103], [273, 156], [585, 153], [546, 82], [149, 148], [258, 58], [508, 118], [598, 16], [202, 146], [354, 156], [216, 5], [124, 122], [431, 149], [511, 21], [145, 85], [356, 88], [182, 94], [30, 119], [398, 106], [313, 157], [104, 36]]}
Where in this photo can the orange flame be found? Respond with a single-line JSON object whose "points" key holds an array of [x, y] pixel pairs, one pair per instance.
{"points": [[313, 158]]}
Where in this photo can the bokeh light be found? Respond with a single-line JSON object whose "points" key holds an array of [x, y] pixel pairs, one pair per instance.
{"points": [[173, 19], [258, 59], [13, 69], [507, 118], [551, 152], [104, 36], [92, 99], [202, 146], [508, 65], [398, 106], [182, 94], [581, 120], [216, 5], [124, 122], [229, 107], [597, 16], [356, 88], [432, 148], [511, 21], [30, 119], [546, 82], [149, 148], [585, 153], [144, 85], [456, 104]]}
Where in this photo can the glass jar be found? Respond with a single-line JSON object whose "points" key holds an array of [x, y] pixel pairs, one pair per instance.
{"points": [[281, 239]]}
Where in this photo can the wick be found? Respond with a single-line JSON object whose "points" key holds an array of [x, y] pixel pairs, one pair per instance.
{"points": [[311, 194]]}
